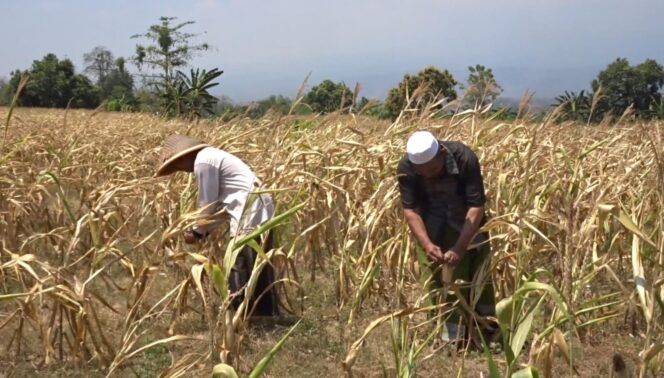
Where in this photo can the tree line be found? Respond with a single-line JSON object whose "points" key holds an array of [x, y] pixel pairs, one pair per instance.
{"points": [[160, 85]]}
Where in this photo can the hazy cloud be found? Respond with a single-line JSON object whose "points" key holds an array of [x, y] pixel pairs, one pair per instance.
{"points": [[268, 47]]}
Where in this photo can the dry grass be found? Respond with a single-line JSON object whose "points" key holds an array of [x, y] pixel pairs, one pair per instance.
{"points": [[91, 275]]}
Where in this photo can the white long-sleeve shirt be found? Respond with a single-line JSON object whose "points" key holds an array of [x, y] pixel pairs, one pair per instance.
{"points": [[226, 181]]}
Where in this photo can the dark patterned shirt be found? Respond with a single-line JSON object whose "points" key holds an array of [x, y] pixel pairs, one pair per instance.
{"points": [[445, 199]]}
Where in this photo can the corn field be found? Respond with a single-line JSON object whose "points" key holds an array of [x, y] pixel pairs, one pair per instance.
{"points": [[94, 274]]}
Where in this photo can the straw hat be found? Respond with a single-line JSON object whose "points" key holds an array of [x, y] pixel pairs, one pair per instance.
{"points": [[175, 147]]}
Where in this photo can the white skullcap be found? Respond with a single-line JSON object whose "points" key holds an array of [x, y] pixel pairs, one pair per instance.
{"points": [[422, 146]]}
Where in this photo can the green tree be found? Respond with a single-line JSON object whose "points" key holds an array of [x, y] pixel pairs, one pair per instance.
{"points": [[656, 108], [117, 88], [98, 63], [199, 101], [170, 47], [174, 98], [277, 104], [188, 95], [371, 107], [147, 100], [5, 92], [364, 103], [624, 85], [53, 83], [482, 86], [328, 97], [427, 87], [574, 107]]}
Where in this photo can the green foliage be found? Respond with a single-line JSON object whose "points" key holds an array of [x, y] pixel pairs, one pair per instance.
{"points": [[418, 91], [274, 105], [147, 100], [303, 124], [225, 108], [482, 86], [573, 106], [300, 109], [364, 104], [5, 92], [624, 85], [155, 360], [117, 88], [279, 105], [503, 113], [120, 104], [373, 108], [656, 108], [262, 365], [198, 100], [227, 371], [379, 112], [53, 83], [173, 98], [516, 313], [188, 95], [407, 347], [169, 49], [328, 97]]}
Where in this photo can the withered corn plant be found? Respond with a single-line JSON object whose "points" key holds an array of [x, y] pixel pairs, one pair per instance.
{"points": [[93, 271]]}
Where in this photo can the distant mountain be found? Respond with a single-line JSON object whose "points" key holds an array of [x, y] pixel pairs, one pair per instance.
{"points": [[537, 104], [546, 83]]}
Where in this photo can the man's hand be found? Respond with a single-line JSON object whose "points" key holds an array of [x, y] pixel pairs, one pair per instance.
{"points": [[190, 237], [435, 253], [453, 257]]}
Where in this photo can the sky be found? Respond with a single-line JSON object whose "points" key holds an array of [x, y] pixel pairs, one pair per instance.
{"points": [[268, 47]]}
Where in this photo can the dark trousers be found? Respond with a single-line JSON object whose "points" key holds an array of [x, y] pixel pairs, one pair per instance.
{"points": [[264, 301], [472, 269]]}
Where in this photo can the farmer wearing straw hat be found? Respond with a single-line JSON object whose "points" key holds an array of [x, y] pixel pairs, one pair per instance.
{"points": [[442, 194], [226, 182]]}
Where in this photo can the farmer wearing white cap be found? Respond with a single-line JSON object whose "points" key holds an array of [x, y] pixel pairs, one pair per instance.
{"points": [[442, 195], [226, 182]]}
